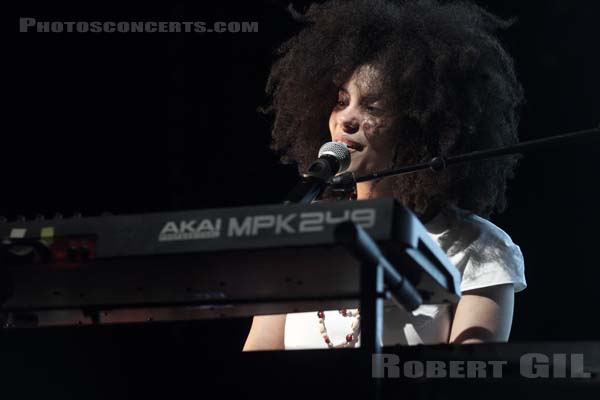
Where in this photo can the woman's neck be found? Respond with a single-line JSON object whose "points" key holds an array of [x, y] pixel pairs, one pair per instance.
{"points": [[383, 188], [374, 189]]}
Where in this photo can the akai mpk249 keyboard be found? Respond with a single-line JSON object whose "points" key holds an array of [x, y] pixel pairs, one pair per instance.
{"points": [[207, 263]]}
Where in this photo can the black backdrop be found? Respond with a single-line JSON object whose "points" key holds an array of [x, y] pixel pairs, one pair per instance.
{"points": [[133, 123]]}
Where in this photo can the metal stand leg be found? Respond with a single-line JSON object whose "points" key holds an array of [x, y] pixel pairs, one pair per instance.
{"points": [[371, 307], [371, 320], [375, 269]]}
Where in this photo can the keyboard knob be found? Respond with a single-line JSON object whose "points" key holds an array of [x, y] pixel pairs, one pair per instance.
{"points": [[84, 253], [72, 254]]}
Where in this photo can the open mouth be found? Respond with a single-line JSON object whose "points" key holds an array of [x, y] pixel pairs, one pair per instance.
{"points": [[351, 145]]}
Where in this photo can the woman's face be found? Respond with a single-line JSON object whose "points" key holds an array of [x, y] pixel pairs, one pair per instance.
{"points": [[362, 118]]}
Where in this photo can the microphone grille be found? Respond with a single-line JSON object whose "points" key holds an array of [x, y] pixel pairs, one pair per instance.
{"points": [[338, 150]]}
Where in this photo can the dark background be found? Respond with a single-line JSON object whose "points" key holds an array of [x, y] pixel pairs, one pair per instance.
{"points": [[134, 123]]}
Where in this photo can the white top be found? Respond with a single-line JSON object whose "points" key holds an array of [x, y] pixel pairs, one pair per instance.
{"points": [[483, 254]]}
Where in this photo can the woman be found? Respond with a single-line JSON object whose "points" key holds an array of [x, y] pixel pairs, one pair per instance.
{"points": [[401, 83]]}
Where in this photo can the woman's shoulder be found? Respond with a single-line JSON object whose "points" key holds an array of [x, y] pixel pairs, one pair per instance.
{"points": [[470, 229], [484, 252]]}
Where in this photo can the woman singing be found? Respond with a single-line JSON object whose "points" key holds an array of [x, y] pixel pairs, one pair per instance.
{"points": [[401, 82]]}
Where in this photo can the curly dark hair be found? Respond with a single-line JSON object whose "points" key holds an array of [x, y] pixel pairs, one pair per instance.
{"points": [[456, 91]]}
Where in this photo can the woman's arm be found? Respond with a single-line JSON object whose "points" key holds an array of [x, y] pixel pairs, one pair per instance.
{"points": [[266, 333], [483, 315]]}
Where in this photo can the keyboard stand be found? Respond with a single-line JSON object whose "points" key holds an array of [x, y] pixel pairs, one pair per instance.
{"points": [[375, 271]]}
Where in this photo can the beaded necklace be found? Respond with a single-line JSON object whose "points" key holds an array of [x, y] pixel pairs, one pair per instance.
{"points": [[351, 338]]}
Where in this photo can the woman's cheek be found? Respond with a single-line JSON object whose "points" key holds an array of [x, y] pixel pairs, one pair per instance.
{"points": [[373, 131], [332, 118], [380, 134]]}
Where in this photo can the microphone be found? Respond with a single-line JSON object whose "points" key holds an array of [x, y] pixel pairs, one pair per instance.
{"points": [[333, 158]]}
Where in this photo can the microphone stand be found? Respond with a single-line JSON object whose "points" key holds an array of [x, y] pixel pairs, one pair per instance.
{"points": [[346, 180]]}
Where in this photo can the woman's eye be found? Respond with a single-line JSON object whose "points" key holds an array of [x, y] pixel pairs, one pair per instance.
{"points": [[374, 110], [341, 103]]}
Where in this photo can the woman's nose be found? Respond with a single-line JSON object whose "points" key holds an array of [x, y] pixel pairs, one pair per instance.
{"points": [[350, 126]]}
